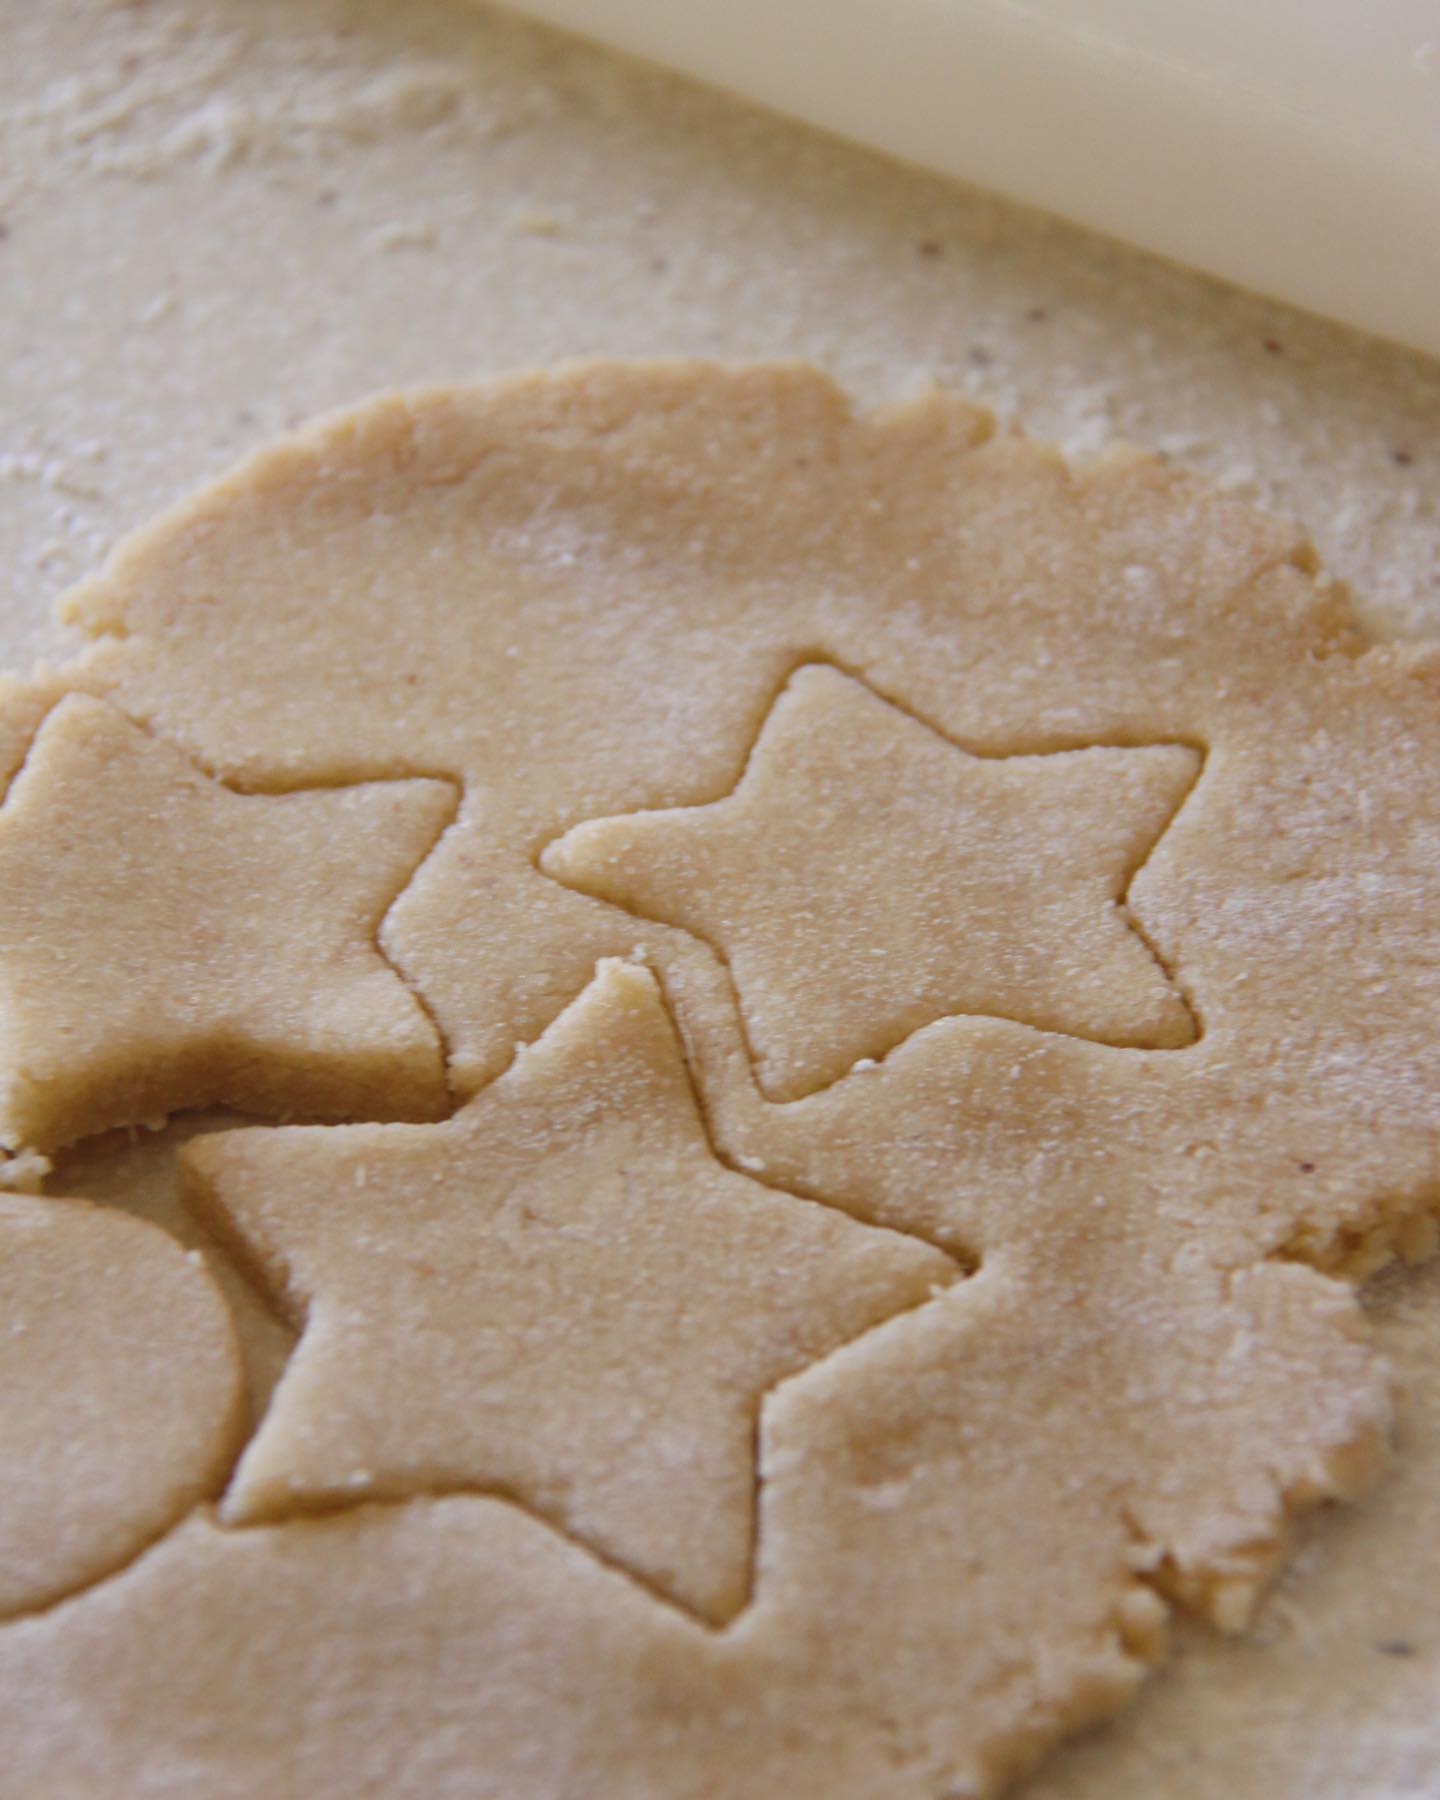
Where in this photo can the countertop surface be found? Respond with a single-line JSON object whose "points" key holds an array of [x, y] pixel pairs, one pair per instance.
{"points": [[220, 216]]}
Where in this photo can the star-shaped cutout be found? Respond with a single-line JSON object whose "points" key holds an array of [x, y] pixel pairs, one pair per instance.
{"points": [[559, 1295], [867, 877], [166, 942]]}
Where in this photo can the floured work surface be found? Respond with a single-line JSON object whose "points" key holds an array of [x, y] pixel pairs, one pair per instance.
{"points": [[414, 193], [932, 955]]}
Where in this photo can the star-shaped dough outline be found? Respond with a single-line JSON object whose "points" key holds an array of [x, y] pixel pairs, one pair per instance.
{"points": [[845, 947], [169, 942], [568, 1252]]}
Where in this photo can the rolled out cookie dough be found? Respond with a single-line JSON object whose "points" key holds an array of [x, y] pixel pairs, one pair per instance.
{"points": [[167, 943], [121, 1398], [637, 1300], [1036, 866]]}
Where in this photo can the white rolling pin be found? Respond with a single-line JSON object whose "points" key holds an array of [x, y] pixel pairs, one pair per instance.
{"points": [[1291, 146]]}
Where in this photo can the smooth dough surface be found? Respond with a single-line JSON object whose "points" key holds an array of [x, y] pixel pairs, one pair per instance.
{"points": [[167, 943], [589, 598], [560, 1295], [1004, 892], [121, 1400]]}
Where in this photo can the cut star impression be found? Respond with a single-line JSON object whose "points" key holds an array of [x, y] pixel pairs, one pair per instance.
{"points": [[166, 942], [905, 880], [559, 1295]]}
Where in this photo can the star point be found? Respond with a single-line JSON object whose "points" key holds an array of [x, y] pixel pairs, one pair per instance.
{"points": [[558, 1295], [867, 877], [166, 942]]}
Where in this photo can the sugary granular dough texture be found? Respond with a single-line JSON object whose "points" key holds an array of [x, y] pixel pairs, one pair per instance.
{"points": [[592, 598], [559, 1295], [167, 943], [121, 1398], [1003, 892]]}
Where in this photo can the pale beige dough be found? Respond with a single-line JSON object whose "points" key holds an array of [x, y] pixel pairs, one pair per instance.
{"points": [[167, 943], [559, 1295], [138, 1172], [121, 1399], [579, 596], [952, 1520], [1006, 877], [373, 179]]}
